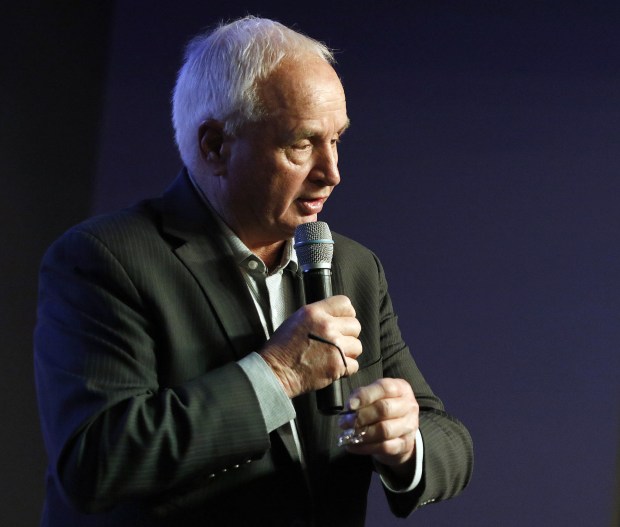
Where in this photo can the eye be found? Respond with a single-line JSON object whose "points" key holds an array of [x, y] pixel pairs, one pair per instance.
{"points": [[302, 145], [337, 139]]}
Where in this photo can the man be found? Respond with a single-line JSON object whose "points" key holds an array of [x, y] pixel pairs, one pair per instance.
{"points": [[175, 368]]}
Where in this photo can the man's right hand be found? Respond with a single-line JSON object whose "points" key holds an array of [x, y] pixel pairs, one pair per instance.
{"points": [[303, 364]]}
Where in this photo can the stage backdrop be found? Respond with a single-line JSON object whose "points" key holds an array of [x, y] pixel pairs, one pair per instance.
{"points": [[482, 167]]}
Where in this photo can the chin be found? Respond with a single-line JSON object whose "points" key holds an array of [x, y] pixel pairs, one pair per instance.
{"points": [[308, 219], [289, 227]]}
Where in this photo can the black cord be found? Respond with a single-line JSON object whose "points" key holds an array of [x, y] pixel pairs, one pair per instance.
{"points": [[344, 361], [329, 343]]}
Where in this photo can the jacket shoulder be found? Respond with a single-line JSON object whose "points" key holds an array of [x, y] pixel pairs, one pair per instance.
{"points": [[350, 251], [139, 217], [122, 227]]}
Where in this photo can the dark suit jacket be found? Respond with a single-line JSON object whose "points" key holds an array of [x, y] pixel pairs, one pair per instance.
{"points": [[148, 419]]}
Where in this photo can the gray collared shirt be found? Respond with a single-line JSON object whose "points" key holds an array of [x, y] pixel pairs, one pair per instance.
{"points": [[275, 300]]}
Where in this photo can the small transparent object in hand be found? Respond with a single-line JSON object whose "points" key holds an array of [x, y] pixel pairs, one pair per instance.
{"points": [[351, 437]]}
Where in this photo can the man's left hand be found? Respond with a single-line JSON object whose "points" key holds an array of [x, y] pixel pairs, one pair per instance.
{"points": [[386, 420]]}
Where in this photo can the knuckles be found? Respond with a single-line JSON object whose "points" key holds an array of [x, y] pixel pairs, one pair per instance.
{"points": [[385, 407]]}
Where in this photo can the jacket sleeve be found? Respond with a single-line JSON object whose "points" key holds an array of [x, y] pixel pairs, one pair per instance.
{"points": [[112, 430], [448, 449]]}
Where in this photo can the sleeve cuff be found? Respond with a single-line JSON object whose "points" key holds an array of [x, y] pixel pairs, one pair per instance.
{"points": [[275, 405], [417, 475]]}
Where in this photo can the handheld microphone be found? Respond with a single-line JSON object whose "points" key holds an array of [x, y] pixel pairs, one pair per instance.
{"points": [[315, 248]]}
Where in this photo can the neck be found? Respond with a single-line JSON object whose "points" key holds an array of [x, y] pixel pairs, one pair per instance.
{"points": [[271, 255]]}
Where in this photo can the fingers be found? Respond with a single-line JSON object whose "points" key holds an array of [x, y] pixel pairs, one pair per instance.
{"points": [[331, 318], [380, 391], [332, 321], [338, 306], [352, 350], [382, 422]]}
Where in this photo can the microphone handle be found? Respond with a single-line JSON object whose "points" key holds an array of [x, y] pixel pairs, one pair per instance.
{"points": [[318, 286]]}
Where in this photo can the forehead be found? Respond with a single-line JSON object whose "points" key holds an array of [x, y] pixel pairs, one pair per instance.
{"points": [[304, 89]]}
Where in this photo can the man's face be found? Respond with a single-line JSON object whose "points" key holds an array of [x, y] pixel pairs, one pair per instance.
{"points": [[279, 172]]}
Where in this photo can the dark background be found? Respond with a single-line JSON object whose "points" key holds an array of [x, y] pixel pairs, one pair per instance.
{"points": [[482, 166]]}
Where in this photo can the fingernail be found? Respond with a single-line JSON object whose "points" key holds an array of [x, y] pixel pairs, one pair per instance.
{"points": [[354, 403]]}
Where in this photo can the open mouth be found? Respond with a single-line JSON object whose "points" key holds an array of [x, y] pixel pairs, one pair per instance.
{"points": [[312, 205]]}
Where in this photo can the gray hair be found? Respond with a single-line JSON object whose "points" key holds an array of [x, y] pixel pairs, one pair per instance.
{"points": [[220, 74]]}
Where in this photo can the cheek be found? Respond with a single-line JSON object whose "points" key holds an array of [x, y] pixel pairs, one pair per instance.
{"points": [[288, 180], [293, 186]]}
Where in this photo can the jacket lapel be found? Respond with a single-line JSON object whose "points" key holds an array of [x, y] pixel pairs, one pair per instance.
{"points": [[200, 247], [198, 243]]}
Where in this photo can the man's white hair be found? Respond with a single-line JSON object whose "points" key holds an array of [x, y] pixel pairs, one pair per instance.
{"points": [[220, 74]]}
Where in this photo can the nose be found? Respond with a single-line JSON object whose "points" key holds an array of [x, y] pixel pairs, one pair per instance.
{"points": [[325, 168]]}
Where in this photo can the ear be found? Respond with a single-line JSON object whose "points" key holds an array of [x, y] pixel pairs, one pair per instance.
{"points": [[211, 139]]}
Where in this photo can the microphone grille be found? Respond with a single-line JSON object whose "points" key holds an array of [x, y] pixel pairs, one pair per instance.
{"points": [[314, 245]]}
